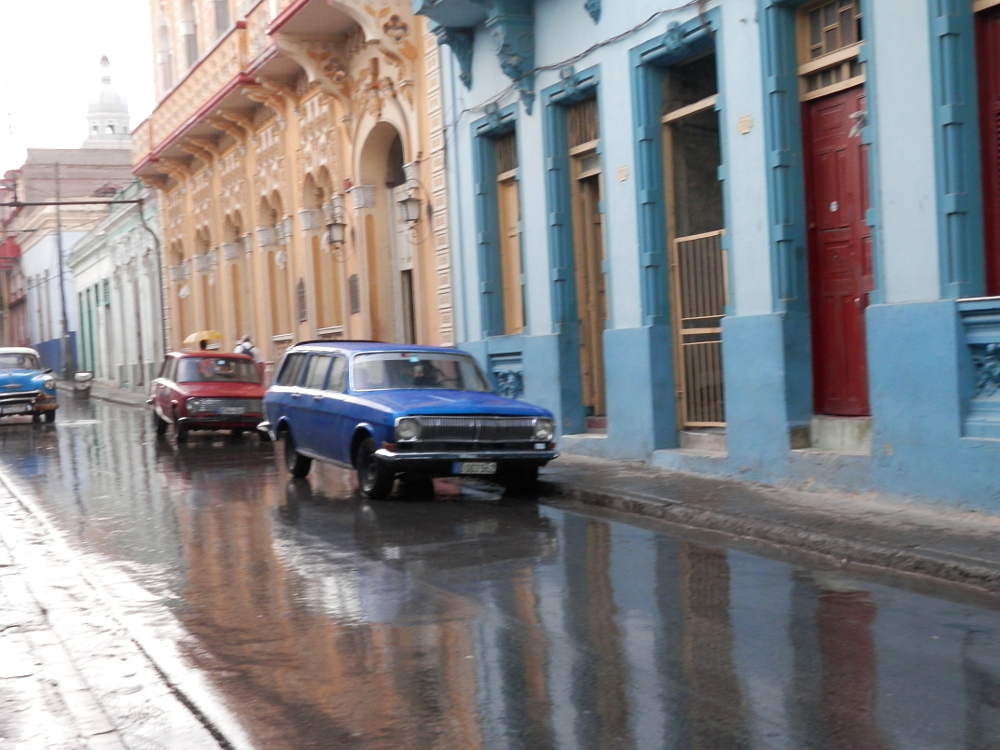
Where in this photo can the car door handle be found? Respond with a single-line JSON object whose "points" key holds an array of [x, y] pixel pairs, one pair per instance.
{"points": [[318, 398], [296, 395]]}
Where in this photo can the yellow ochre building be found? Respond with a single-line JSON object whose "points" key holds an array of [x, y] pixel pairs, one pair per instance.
{"points": [[297, 148]]}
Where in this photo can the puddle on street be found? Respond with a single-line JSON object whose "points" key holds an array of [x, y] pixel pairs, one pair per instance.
{"points": [[467, 620]]}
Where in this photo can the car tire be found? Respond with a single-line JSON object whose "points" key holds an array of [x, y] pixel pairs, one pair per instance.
{"points": [[181, 430], [264, 436], [520, 481], [374, 480], [36, 417], [160, 424], [237, 433], [50, 416], [297, 464]]}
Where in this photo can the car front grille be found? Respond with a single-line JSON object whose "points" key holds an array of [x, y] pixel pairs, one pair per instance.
{"points": [[21, 397], [214, 405], [477, 429]]}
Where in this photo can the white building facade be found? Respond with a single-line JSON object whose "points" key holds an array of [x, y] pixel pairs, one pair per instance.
{"points": [[118, 303]]}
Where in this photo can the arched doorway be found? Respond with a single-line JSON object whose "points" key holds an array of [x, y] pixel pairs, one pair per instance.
{"points": [[387, 248]]}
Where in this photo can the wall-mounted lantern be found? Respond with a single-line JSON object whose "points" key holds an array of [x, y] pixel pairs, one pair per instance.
{"points": [[409, 210]]}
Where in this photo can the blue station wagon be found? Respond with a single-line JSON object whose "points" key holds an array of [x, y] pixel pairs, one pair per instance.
{"points": [[389, 410]]}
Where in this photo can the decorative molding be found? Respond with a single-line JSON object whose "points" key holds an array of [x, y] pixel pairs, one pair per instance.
{"points": [[362, 196], [267, 237], [231, 250], [514, 40], [460, 41], [986, 358], [311, 219]]}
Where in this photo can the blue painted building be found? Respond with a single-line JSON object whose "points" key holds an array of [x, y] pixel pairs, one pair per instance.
{"points": [[751, 238]]}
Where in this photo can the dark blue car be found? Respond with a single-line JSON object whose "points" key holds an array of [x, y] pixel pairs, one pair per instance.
{"points": [[388, 410]]}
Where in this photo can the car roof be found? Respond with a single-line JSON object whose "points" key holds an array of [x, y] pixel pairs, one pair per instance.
{"points": [[212, 355], [357, 347], [17, 350]]}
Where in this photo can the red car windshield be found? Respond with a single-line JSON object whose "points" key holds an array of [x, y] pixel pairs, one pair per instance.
{"points": [[18, 362], [216, 370]]}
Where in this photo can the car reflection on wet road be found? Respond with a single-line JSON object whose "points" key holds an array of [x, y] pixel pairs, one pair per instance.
{"points": [[464, 620]]}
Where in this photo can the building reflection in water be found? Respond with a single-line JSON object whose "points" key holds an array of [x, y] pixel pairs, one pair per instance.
{"points": [[328, 622]]}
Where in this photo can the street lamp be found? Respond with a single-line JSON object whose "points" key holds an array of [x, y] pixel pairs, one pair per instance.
{"points": [[409, 210], [335, 232]]}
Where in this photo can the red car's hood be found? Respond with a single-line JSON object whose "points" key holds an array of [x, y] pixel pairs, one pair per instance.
{"points": [[221, 390]]}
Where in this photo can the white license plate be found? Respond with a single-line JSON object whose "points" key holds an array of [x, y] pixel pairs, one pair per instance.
{"points": [[231, 410], [15, 409], [474, 467]]}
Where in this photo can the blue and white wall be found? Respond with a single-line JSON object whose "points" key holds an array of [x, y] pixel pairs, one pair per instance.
{"points": [[40, 266], [935, 411]]}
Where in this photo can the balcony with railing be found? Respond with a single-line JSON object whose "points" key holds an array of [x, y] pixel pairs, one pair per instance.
{"points": [[212, 76]]}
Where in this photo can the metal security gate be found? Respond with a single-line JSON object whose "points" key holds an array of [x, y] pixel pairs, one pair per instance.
{"points": [[700, 295]]}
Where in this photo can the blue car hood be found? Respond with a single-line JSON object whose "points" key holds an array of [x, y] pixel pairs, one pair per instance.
{"points": [[21, 378], [452, 402]]}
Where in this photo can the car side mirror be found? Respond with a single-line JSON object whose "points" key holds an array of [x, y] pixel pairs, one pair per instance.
{"points": [[46, 371]]}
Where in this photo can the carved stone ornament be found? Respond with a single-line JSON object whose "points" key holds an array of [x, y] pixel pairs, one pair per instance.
{"points": [[395, 28], [514, 40], [460, 41], [987, 361]]}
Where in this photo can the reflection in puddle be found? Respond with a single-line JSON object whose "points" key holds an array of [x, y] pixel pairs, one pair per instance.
{"points": [[460, 619]]}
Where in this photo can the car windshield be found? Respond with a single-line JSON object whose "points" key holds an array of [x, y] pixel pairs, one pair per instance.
{"points": [[216, 370], [417, 370], [18, 361]]}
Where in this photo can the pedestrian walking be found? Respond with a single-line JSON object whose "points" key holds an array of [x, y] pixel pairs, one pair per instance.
{"points": [[245, 346]]}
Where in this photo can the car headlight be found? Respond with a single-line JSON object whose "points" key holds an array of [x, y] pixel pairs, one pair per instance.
{"points": [[49, 383], [544, 430], [407, 429], [193, 405]]}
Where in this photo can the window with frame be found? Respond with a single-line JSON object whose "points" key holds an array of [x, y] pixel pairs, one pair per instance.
{"points": [[830, 37], [315, 377], [509, 227], [291, 369], [338, 373]]}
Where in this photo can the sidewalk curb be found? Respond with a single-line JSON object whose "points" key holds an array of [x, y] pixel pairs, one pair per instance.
{"points": [[837, 548], [207, 713], [114, 399]]}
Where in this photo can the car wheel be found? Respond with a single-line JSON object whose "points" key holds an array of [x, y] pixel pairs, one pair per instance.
{"points": [[297, 464], [520, 481], [237, 433], [374, 480], [160, 424], [50, 416], [181, 430], [36, 418]]}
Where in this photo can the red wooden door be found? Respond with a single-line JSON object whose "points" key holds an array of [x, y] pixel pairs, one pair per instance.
{"points": [[988, 60], [840, 269]]}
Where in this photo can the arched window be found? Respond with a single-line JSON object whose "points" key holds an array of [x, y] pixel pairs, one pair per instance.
{"points": [[221, 16], [189, 28], [165, 57], [110, 129]]}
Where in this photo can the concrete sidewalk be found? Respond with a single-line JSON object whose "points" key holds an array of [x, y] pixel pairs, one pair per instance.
{"points": [[943, 542]]}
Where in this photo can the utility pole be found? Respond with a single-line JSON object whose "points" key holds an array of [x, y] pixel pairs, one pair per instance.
{"points": [[64, 348]]}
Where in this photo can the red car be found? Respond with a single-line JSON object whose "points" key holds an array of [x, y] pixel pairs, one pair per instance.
{"points": [[207, 391]]}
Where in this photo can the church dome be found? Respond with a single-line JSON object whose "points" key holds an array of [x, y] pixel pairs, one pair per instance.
{"points": [[108, 101], [107, 115]]}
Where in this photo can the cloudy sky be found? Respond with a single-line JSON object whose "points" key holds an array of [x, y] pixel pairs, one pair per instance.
{"points": [[51, 69]]}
